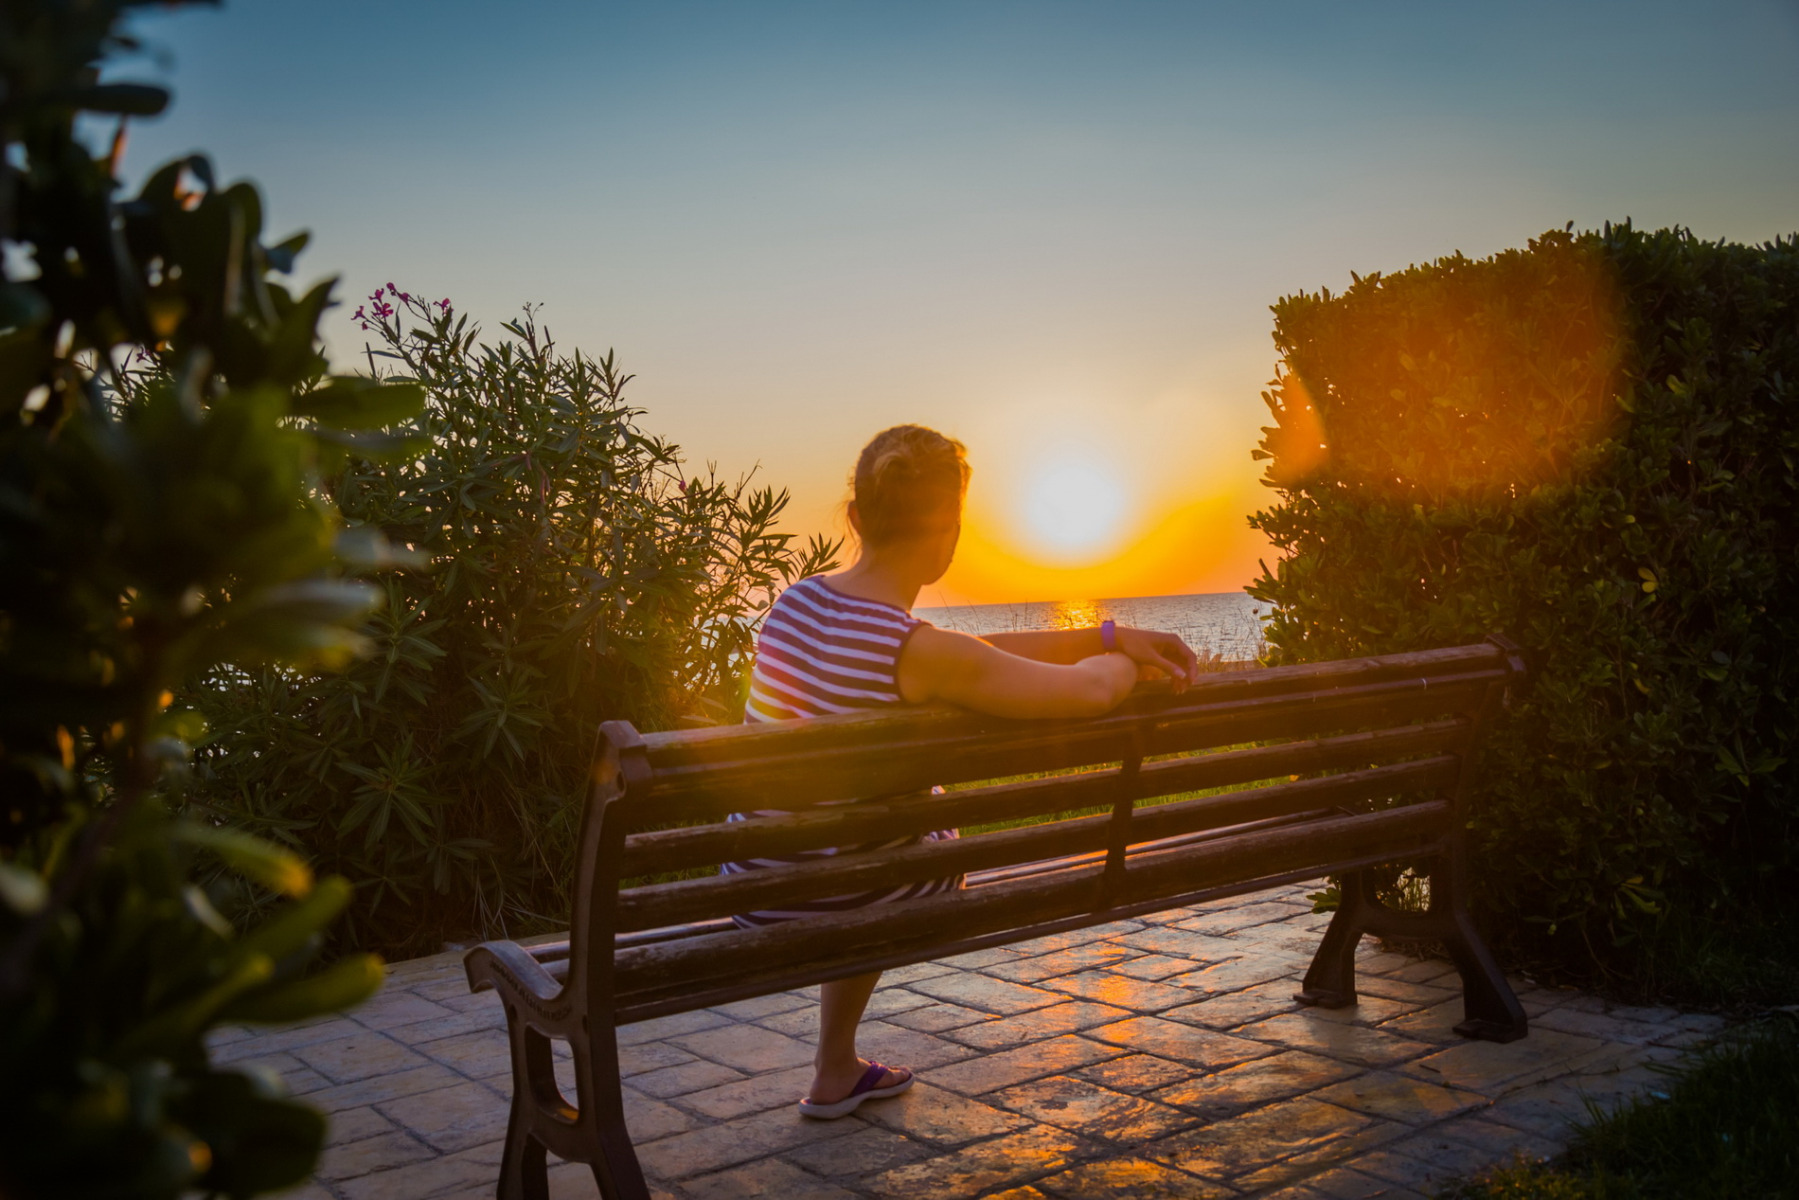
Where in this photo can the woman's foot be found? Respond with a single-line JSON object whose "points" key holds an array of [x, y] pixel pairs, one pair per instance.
{"points": [[847, 1089]]}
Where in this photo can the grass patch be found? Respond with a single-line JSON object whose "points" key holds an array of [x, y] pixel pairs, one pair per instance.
{"points": [[1724, 1126]]}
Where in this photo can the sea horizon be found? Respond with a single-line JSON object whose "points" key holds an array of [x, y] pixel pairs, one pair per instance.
{"points": [[1227, 625]]}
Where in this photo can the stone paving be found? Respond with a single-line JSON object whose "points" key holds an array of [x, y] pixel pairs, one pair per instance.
{"points": [[1161, 1057]]}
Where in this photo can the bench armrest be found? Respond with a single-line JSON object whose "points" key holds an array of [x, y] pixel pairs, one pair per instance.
{"points": [[495, 963]]}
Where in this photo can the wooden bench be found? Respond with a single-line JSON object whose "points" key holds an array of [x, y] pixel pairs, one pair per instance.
{"points": [[1304, 771]]}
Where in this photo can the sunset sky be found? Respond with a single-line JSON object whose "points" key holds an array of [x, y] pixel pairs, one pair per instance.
{"points": [[1050, 229]]}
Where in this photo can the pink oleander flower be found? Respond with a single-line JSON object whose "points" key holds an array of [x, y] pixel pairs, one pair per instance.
{"points": [[405, 297]]}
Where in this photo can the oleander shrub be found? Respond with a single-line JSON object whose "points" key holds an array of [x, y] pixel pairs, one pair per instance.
{"points": [[565, 569], [1588, 445]]}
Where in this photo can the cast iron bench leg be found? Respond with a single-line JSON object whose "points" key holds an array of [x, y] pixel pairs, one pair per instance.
{"points": [[523, 1172], [1490, 1010]]}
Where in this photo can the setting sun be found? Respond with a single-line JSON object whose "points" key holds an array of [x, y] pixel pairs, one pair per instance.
{"points": [[1073, 508]]}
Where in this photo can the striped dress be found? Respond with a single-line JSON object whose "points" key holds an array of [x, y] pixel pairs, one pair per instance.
{"points": [[823, 652]]}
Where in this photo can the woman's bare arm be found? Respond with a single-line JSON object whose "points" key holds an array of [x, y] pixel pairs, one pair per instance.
{"points": [[939, 664], [1166, 652]]}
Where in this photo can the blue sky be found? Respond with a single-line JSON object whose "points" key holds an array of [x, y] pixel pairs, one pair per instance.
{"points": [[1037, 225]]}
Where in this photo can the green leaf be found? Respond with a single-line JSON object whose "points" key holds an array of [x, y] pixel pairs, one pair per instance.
{"points": [[345, 983], [289, 931], [125, 99], [349, 402], [265, 862]]}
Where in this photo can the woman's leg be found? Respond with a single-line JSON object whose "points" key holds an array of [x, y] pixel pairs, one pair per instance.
{"points": [[837, 1066]]}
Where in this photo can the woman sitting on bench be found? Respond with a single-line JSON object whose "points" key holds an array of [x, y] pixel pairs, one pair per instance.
{"points": [[848, 641]]}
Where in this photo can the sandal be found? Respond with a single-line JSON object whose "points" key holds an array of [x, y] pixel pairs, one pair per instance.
{"points": [[865, 1089]]}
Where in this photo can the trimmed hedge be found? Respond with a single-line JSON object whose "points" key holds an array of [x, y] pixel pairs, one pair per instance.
{"points": [[1589, 445]]}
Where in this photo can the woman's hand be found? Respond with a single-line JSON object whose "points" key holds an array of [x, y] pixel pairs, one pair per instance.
{"points": [[1161, 653]]}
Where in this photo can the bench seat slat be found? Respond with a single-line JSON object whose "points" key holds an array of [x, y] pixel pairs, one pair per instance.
{"points": [[689, 900], [790, 781], [885, 819], [771, 957]]}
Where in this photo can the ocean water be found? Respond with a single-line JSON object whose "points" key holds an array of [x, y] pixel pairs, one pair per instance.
{"points": [[1227, 625]]}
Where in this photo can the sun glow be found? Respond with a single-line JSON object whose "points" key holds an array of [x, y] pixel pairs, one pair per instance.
{"points": [[1073, 508]]}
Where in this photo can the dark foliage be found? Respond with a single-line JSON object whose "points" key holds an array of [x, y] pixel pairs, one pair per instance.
{"points": [[149, 530], [1589, 445]]}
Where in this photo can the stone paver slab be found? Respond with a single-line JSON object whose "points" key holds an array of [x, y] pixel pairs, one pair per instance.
{"points": [[1428, 970], [987, 1072], [1240, 917], [1351, 1043], [1237, 974], [377, 1088], [459, 1117], [1184, 1043], [359, 1056], [1399, 1097], [479, 1055], [393, 1149], [1278, 1077], [1138, 1073], [354, 1124], [713, 1147], [678, 1081], [989, 995], [937, 1017], [647, 1119], [471, 1170], [759, 1006], [869, 1150], [645, 1056], [1261, 1138], [1183, 943], [1232, 1009], [930, 1114], [759, 1093], [1492, 1069], [1083, 1107], [1107, 987], [986, 1166], [899, 1046], [1130, 1179], [1606, 1028], [1347, 1183], [397, 1008], [1498, 1142], [1412, 995], [675, 1024], [480, 1020], [770, 1177], [1069, 1017], [1153, 967], [1062, 962], [747, 1048]]}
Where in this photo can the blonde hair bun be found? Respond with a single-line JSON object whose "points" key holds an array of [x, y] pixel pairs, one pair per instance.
{"points": [[909, 480]]}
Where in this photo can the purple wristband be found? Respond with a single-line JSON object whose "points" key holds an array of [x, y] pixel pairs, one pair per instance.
{"points": [[1108, 634]]}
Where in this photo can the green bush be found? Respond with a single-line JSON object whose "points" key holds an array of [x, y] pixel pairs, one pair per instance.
{"points": [[1589, 445], [568, 572], [162, 409]]}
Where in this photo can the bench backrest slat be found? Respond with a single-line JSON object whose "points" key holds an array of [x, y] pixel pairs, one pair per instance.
{"points": [[850, 873], [794, 777], [881, 820]]}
